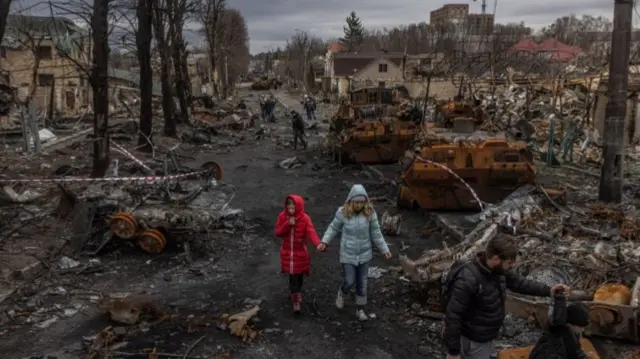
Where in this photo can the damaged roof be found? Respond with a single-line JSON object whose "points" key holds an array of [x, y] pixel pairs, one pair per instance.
{"points": [[133, 78], [347, 64], [65, 34]]}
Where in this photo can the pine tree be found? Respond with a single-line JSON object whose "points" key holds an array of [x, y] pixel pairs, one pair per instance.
{"points": [[353, 33]]}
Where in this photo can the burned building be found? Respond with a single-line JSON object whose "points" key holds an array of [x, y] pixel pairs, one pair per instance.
{"points": [[471, 24], [58, 49]]}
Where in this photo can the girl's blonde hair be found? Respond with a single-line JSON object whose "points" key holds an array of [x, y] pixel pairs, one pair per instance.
{"points": [[348, 211]]}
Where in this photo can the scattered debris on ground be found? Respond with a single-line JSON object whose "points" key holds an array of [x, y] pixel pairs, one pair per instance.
{"points": [[157, 253]]}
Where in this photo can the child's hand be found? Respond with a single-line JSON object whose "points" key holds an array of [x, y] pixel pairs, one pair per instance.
{"points": [[292, 221], [321, 247], [388, 255]]}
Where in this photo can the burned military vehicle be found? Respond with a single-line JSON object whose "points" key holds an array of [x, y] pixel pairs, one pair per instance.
{"points": [[451, 157], [377, 125]]}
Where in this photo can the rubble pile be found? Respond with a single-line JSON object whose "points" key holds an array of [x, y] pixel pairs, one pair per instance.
{"points": [[584, 247], [226, 115], [591, 247], [535, 115], [151, 213], [589, 244]]}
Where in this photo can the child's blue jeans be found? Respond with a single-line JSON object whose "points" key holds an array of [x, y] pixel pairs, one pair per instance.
{"points": [[355, 276]]}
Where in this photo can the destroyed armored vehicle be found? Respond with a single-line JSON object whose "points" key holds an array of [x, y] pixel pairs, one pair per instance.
{"points": [[447, 112], [151, 216], [264, 84], [448, 167], [375, 126]]}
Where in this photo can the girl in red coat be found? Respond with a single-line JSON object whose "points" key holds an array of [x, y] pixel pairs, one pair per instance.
{"points": [[295, 228]]}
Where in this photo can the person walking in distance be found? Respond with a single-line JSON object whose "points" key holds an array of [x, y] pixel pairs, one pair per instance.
{"points": [[297, 125], [271, 108], [294, 226], [310, 107], [359, 229], [475, 295]]}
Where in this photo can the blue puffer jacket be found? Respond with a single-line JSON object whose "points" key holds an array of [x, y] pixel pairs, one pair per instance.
{"points": [[357, 233]]}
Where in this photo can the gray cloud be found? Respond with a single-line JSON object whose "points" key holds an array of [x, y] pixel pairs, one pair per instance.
{"points": [[272, 22]]}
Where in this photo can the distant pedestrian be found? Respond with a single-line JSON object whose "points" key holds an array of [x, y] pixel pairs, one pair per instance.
{"points": [[271, 108], [297, 125], [357, 224], [294, 226], [475, 295], [561, 340], [310, 107]]}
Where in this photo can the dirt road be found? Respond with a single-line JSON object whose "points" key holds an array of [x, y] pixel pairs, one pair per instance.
{"points": [[232, 268]]}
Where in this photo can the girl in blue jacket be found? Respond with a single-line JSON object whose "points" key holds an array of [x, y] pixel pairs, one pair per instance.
{"points": [[358, 226]]}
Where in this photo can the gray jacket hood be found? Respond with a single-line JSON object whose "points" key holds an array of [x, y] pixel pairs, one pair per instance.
{"points": [[357, 190]]}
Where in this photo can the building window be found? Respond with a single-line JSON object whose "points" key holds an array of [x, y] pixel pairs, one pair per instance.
{"points": [[44, 53], [3, 52], [382, 68], [45, 80]]}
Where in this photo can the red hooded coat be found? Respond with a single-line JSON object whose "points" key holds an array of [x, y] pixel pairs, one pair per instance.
{"points": [[294, 256]]}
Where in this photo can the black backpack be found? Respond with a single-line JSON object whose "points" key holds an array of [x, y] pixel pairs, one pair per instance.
{"points": [[448, 278]]}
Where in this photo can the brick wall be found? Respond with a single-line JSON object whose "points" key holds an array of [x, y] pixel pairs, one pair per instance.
{"points": [[19, 64]]}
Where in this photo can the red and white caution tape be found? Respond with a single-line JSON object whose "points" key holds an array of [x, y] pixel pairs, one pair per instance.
{"points": [[144, 179], [122, 150]]}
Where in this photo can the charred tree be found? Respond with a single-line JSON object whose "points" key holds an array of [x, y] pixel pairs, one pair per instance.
{"points": [[5, 6], [233, 48], [176, 23], [99, 80], [185, 72], [168, 105], [144, 35], [211, 13]]}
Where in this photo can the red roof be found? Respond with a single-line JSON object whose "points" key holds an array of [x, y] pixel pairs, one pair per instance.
{"points": [[525, 46], [336, 47], [548, 45], [559, 56], [557, 50], [551, 45]]}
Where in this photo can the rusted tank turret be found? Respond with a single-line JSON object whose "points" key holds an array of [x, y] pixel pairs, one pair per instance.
{"points": [[491, 165]]}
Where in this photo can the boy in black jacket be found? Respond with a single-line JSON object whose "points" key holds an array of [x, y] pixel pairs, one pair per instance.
{"points": [[566, 325]]}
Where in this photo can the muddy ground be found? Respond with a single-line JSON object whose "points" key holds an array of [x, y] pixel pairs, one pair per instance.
{"points": [[229, 269], [240, 266]]}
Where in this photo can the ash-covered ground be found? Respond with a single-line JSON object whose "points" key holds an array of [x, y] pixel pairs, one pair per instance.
{"points": [[238, 266]]}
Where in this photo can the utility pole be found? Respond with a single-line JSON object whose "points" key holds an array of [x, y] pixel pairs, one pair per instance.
{"points": [[611, 177]]}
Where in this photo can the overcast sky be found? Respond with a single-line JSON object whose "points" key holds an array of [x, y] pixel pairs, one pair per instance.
{"points": [[271, 22]]}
